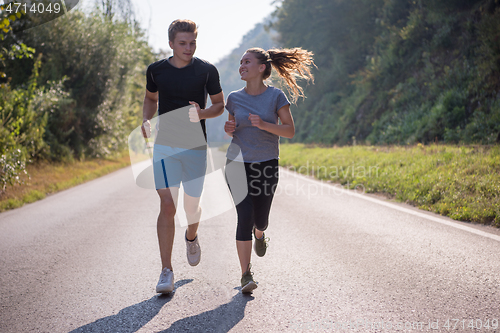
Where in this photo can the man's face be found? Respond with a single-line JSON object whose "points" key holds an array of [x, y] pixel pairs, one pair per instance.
{"points": [[184, 45]]}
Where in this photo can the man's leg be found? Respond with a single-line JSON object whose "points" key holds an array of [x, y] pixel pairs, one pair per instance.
{"points": [[166, 224], [194, 168], [193, 214]]}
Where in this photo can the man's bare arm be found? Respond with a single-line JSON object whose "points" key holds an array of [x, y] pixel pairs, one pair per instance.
{"points": [[216, 109], [150, 105], [148, 110]]}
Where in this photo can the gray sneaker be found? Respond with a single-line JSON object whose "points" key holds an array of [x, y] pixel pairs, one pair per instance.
{"points": [[166, 283], [247, 282], [193, 251], [260, 244]]}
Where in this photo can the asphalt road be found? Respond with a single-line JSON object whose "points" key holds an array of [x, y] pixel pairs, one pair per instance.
{"points": [[86, 260]]}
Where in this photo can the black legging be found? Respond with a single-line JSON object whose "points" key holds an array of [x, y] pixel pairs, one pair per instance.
{"points": [[261, 179]]}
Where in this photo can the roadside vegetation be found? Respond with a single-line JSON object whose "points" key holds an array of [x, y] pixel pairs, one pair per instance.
{"points": [[48, 178], [462, 183], [71, 90], [397, 71], [396, 76]]}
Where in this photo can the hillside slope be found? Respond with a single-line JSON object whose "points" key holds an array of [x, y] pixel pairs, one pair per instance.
{"points": [[397, 71]]}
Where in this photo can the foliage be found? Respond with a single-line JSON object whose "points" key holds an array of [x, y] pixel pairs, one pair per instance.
{"points": [[51, 177], [55, 103], [102, 62], [10, 48], [116, 9], [397, 71], [80, 97], [460, 182], [21, 130]]}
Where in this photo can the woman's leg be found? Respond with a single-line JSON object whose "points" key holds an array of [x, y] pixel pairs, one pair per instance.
{"points": [[267, 182], [244, 249], [244, 232], [262, 179], [244, 209]]}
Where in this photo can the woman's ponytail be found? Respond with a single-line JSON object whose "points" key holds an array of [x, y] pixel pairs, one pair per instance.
{"points": [[290, 65]]}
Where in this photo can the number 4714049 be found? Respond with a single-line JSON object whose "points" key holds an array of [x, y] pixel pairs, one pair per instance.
{"points": [[34, 8], [452, 324]]}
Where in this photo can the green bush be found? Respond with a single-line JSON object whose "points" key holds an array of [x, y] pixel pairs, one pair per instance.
{"points": [[100, 62], [22, 128]]}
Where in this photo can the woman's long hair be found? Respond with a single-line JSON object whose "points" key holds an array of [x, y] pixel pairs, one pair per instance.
{"points": [[290, 65]]}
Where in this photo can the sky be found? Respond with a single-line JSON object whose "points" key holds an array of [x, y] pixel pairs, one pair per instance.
{"points": [[221, 23]]}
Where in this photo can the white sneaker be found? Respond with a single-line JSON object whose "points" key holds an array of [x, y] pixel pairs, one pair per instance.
{"points": [[166, 283], [193, 251]]}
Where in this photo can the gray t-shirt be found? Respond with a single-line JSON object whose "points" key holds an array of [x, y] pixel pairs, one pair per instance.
{"points": [[255, 145]]}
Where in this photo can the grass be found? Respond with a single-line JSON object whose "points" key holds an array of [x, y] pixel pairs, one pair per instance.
{"points": [[47, 178], [459, 182], [462, 183]]}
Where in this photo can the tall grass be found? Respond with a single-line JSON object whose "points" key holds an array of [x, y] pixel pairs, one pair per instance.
{"points": [[459, 182], [47, 178]]}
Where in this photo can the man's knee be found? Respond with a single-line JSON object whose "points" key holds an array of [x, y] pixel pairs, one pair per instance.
{"points": [[193, 214], [192, 208], [167, 207]]}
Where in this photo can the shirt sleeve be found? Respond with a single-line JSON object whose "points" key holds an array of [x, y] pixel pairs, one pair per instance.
{"points": [[229, 105], [150, 83], [213, 83], [282, 100]]}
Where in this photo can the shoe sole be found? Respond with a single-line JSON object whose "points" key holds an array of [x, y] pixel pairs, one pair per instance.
{"points": [[194, 263], [249, 287], [164, 290]]}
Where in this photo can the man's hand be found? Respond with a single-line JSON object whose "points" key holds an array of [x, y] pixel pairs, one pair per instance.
{"points": [[146, 129], [194, 112], [256, 121]]}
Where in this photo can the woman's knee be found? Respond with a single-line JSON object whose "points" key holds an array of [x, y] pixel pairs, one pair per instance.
{"points": [[262, 224], [243, 233]]}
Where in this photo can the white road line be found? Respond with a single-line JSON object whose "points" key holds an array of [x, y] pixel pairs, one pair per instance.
{"points": [[396, 207]]}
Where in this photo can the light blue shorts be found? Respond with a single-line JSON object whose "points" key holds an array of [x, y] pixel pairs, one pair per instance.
{"points": [[175, 165]]}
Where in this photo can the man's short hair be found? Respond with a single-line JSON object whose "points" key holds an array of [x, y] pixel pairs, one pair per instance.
{"points": [[181, 26]]}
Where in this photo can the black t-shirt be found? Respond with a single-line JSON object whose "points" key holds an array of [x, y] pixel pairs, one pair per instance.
{"points": [[176, 87]]}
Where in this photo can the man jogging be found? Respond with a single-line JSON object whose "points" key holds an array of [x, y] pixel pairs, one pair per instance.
{"points": [[177, 87]]}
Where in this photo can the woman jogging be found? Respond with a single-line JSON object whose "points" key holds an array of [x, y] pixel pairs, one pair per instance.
{"points": [[253, 124]]}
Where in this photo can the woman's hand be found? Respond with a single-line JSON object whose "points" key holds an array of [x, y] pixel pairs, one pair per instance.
{"points": [[230, 127], [256, 121]]}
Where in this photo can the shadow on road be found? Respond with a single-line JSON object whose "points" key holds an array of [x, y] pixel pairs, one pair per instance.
{"points": [[132, 318], [220, 320]]}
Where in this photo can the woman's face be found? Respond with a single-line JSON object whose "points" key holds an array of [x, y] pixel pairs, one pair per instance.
{"points": [[250, 68]]}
